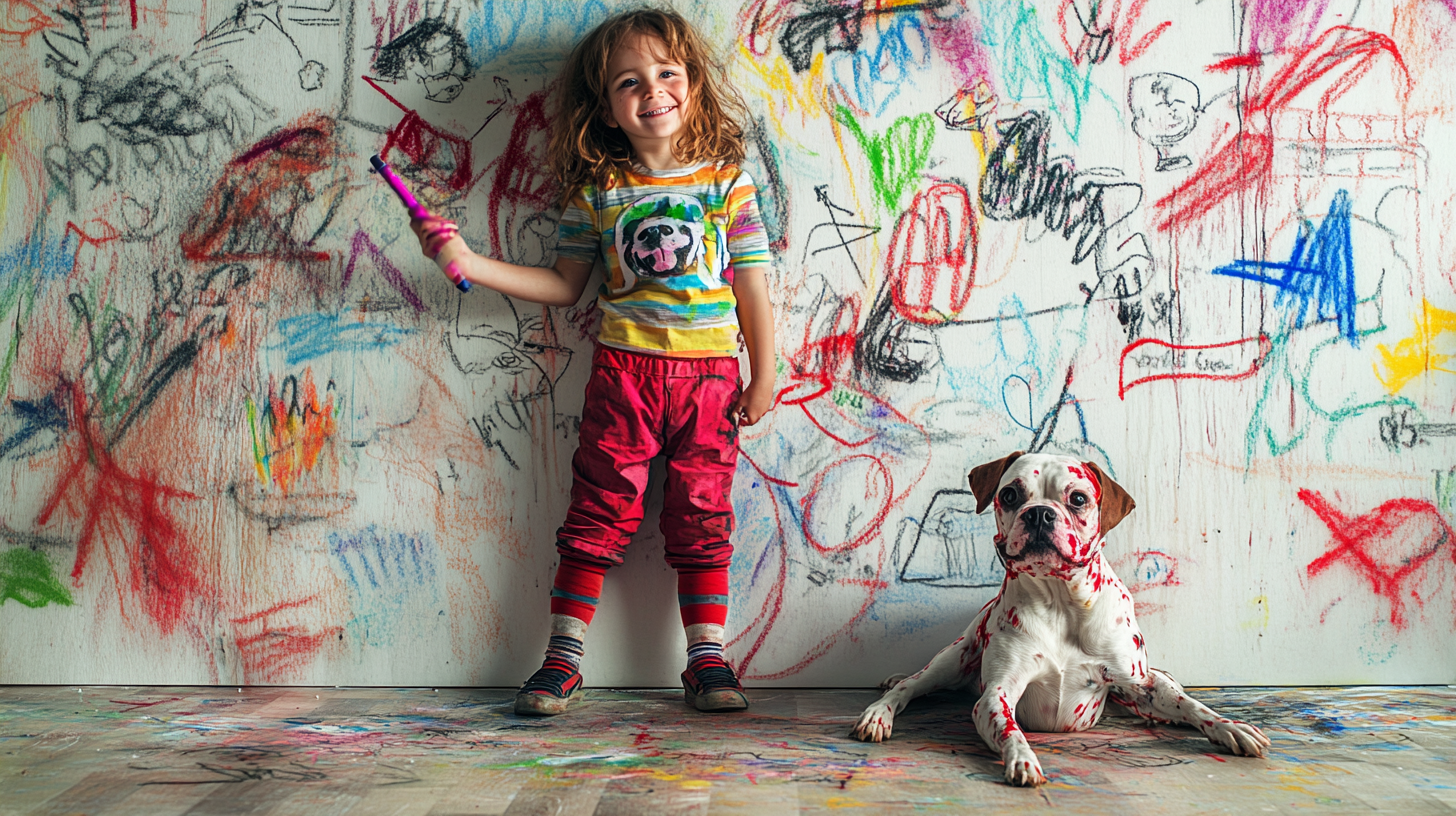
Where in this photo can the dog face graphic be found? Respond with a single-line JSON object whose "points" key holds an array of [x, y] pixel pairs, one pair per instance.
{"points": [[660, 236]]}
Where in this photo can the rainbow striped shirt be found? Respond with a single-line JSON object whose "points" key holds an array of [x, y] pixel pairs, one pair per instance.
{"points": [[671, 240]]}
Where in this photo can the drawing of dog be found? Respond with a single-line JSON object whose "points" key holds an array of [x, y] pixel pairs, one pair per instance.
{"points": [[662, 242], [1060, 638]]}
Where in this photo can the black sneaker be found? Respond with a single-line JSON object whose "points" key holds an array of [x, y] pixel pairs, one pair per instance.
{"points": [[709, 684], [550, 690]]}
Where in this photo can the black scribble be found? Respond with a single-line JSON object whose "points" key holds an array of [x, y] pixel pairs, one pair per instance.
{"points": [[158, 114], [432, 52], [1023, 182], [293, 772], [839, 25], [251, 19], [131, 362]]}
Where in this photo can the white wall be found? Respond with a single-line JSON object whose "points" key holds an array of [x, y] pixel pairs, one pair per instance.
{"points": [[190, 236]]}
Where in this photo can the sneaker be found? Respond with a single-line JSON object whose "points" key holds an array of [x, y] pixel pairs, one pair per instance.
{"points": [[550, 690], [709, 684]]}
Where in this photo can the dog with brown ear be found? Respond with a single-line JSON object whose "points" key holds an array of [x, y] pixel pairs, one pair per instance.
{"points": [[1060, 639]]}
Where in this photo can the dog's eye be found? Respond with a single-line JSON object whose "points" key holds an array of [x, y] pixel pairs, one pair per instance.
{"points": [[1078, 500], [1010, 497]]}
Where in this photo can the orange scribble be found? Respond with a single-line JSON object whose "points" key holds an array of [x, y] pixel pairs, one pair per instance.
{"points": [[290, 433]]}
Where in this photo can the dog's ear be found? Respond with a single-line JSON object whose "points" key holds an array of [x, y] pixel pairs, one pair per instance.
{"points": [[984, 479], [1115, 503]]}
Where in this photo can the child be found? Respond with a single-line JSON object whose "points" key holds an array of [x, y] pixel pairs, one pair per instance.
{"points": [[646, 145]]}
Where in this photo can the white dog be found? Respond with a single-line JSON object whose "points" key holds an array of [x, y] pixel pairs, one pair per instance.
{"points": [[1046, 652]]}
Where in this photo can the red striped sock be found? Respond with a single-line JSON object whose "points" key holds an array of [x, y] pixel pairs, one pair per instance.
{"points": [[702, 596], [577, 588]]}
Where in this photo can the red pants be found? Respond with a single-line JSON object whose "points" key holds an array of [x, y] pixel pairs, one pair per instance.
{"points": [[638, 406]]}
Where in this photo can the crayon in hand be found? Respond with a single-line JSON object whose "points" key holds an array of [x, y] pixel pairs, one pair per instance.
{"points": [[416, 210]]}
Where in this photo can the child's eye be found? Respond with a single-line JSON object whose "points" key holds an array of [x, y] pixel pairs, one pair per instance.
{"points": [[667, 74], [627, 83]]}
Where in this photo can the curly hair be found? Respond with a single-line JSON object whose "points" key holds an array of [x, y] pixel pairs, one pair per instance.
{"points": [[584, 150]]}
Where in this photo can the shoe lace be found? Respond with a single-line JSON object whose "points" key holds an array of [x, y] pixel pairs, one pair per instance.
{"points": [[549, 678], [714, 674]]}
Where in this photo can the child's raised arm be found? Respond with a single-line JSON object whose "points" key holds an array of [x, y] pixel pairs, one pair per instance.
{"points": [[559, 285]]}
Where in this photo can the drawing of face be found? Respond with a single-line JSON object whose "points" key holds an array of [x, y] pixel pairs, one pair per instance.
{"points": [[660, 236], [1164, 107]]}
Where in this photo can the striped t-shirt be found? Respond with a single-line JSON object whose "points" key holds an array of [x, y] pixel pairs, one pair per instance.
{"points": [[672, 240]]}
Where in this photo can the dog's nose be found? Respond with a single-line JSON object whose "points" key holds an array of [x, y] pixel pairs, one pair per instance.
{"points": [[1039, 518]]}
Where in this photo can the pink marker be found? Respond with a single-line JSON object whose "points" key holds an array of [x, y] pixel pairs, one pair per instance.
{"points": [[416, 210]]}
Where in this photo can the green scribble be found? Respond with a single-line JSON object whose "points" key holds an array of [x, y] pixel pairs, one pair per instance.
{"points": [[896, 156], [1031, 67], [26, 576], [1296, 378], [1446, 491]]}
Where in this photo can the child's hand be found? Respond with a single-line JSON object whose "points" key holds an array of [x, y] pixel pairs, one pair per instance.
{"points": [[753, 403], [434, 233]]}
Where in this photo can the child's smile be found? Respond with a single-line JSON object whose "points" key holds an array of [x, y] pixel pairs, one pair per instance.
{"points": [[648, 95]]}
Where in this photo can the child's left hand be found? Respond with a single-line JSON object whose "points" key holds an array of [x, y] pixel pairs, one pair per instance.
{"points": [[753, 403]]}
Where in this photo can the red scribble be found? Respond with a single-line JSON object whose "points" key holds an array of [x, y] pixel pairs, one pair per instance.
{"points": [[1370, 545], [250, 213], [133, 705], [271, 655], [160, 565], [1236, 62], [522, 178], [932, 260], [17, 28], [278, 648], [1124, 385], [1108, 18], [1344, 55], [422, 142]]}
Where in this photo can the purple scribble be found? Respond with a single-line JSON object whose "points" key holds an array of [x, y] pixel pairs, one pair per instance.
{"points": [[387, 270], [1272, 22]]}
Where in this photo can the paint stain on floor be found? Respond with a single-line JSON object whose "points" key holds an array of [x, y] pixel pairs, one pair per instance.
{"points": [[113, 750]]}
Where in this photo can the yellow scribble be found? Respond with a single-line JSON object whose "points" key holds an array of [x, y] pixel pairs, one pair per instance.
{"points": [[1417, 355], [1259, 615], [773, 82], [696, 784]]}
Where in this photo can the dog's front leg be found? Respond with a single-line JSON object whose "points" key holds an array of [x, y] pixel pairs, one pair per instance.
{"points": [[1160, 697], [953, 666], [995, 718]]}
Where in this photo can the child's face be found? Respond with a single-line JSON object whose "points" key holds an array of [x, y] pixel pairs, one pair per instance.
{"points": [[647, 93]]}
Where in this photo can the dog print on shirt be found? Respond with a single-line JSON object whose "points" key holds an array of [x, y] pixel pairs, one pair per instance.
{"points": [[662, 236]]}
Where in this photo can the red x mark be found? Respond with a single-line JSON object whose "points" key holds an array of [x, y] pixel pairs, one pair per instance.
{"points": [[1389, 545]]}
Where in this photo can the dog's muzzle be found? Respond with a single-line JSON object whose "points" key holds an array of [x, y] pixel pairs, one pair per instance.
{"points": [[1039, 523]]}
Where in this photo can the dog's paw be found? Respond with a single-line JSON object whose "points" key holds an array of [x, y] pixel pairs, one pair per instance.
{"points": [[1022, 768], [892, 681], [1240, 737], [875, 724]]}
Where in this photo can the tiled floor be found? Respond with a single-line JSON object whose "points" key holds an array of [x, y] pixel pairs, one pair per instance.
{"points": [[154, 751]]}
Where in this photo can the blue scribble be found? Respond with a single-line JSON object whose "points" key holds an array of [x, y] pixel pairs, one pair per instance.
{"points": [[1007, 403], [875, 77], [51, 258], [310, 336], [385, 572], [40, 425], [1032, 68], [1153, 569], [502, 26], [1318, 281]]}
